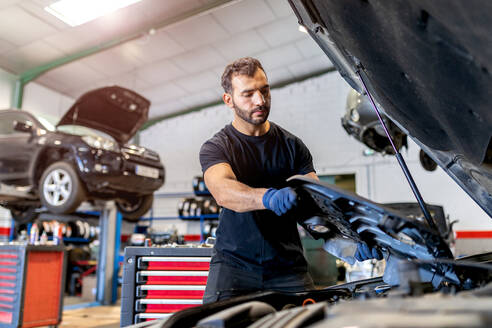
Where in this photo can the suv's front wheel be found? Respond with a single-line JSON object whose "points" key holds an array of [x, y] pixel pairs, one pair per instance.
{"points": [[60, 189], [133, 209]]}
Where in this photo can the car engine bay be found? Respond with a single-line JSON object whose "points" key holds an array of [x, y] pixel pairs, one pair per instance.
{"points": [[427, 286]]}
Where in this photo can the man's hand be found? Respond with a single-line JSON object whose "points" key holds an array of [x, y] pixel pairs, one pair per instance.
{"points": [[363, 253], [280, 201]]}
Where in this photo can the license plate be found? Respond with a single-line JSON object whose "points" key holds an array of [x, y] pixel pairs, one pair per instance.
{"points": [[146, 171]]}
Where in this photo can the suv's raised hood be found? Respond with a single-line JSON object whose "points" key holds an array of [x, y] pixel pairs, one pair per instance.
{"points": [[428, 64], [114, 110]]}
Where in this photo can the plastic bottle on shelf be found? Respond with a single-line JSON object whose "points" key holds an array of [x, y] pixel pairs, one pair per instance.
{"points": [[57, 233], [43, 240], [33, 234]]}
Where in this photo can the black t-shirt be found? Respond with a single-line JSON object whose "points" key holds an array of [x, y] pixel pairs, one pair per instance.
{"points": [[259, 239]]}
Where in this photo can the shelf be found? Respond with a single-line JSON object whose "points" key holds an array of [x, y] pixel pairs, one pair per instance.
{"points": [[200, 217], [72, 240], [203, 193], [76, 240], [185, 194]]}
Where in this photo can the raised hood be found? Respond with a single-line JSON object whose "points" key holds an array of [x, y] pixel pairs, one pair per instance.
{"points": [[428, 64], [114, 110], [326, 211]]}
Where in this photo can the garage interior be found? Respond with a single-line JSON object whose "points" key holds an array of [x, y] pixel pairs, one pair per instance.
{"points": [[173, 54]]}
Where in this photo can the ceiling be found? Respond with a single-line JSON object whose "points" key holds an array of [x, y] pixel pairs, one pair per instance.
{"points": [[171, 51]]}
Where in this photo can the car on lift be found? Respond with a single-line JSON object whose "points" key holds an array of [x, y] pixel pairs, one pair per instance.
{"points": [[427, 64], [85, 157], [362, 122]]}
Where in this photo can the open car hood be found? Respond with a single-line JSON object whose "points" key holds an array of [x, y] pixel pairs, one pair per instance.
{"points": [[326, 211], [114, 110], [428, 64]]}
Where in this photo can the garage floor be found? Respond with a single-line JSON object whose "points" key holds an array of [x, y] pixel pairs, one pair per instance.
{"points": [[87, 317], [98, 316]]}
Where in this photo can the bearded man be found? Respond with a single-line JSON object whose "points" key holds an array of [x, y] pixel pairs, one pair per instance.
{"points": [[245, 167]]}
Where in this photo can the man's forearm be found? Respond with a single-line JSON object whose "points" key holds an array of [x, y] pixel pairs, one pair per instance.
{"points": [[239, 197]]}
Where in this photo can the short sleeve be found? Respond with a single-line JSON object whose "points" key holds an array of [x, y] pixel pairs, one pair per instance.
{"points": [[304, 159], [211, 154]]}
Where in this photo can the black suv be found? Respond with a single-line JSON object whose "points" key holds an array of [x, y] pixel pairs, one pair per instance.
{"points": [[84, 157]]}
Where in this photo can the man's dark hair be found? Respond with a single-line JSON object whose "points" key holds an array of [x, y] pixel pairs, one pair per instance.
{"points": [[242, 66]]}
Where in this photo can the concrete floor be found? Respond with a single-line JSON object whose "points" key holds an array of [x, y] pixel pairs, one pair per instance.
{"points": [[98, 316], [88, 317]]}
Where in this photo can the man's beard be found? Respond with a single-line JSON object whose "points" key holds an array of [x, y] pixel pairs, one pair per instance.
{"points": [[248, 115]]}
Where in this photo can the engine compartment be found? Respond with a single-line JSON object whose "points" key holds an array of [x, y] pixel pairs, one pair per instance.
{"points": [[412, 304]]}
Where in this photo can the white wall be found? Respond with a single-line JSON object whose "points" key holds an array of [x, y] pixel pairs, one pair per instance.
{"points": [[312, 110], [7, 82], [37, 98], [41, 100]]}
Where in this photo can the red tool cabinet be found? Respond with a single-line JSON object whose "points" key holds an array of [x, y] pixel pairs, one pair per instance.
{"points": [[31, 285], [158, 281]]}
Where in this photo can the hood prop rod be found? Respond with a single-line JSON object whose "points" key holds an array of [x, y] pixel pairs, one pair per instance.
{"points": [[400, 159]]}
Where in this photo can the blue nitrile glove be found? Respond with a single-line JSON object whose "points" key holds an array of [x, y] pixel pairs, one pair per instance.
{"points": [[363, 253], [280, 201]]}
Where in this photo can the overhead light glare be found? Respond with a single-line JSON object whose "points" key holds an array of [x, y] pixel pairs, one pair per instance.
{"points": [[368, 152], [303, 29], [77, 12]]}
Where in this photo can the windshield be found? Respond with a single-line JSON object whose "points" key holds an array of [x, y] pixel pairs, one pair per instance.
{"points": [[83, 131], [48, 123]]}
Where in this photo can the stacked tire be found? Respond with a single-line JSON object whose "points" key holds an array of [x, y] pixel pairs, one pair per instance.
{"points": [[71, 229], [199, 186], [196, 207]]}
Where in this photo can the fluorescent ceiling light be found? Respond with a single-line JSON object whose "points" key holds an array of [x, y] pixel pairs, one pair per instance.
{"points": [[77, 12]]}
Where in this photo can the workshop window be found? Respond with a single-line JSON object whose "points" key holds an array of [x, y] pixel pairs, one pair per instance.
{"points": [[344, 181]]}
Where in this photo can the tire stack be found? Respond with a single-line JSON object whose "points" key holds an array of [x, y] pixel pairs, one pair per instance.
{"points": [[199, 187], [71, 229], [209, 229], [202, 204], [196, 207]]}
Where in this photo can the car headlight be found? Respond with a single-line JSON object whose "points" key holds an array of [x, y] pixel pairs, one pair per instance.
{"points": [[354, 115], [101, 143]]}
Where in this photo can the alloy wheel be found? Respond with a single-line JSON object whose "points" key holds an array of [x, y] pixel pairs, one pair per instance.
{"points": [[57, 187]]}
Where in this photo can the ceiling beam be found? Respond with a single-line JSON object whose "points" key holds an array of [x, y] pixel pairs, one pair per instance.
{"points": [[18, 94], [185, 111], [35, 72]]}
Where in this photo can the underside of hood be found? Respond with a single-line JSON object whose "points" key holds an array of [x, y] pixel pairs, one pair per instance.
{"points": [[114, 110], [327, 212], [427, 63]]}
